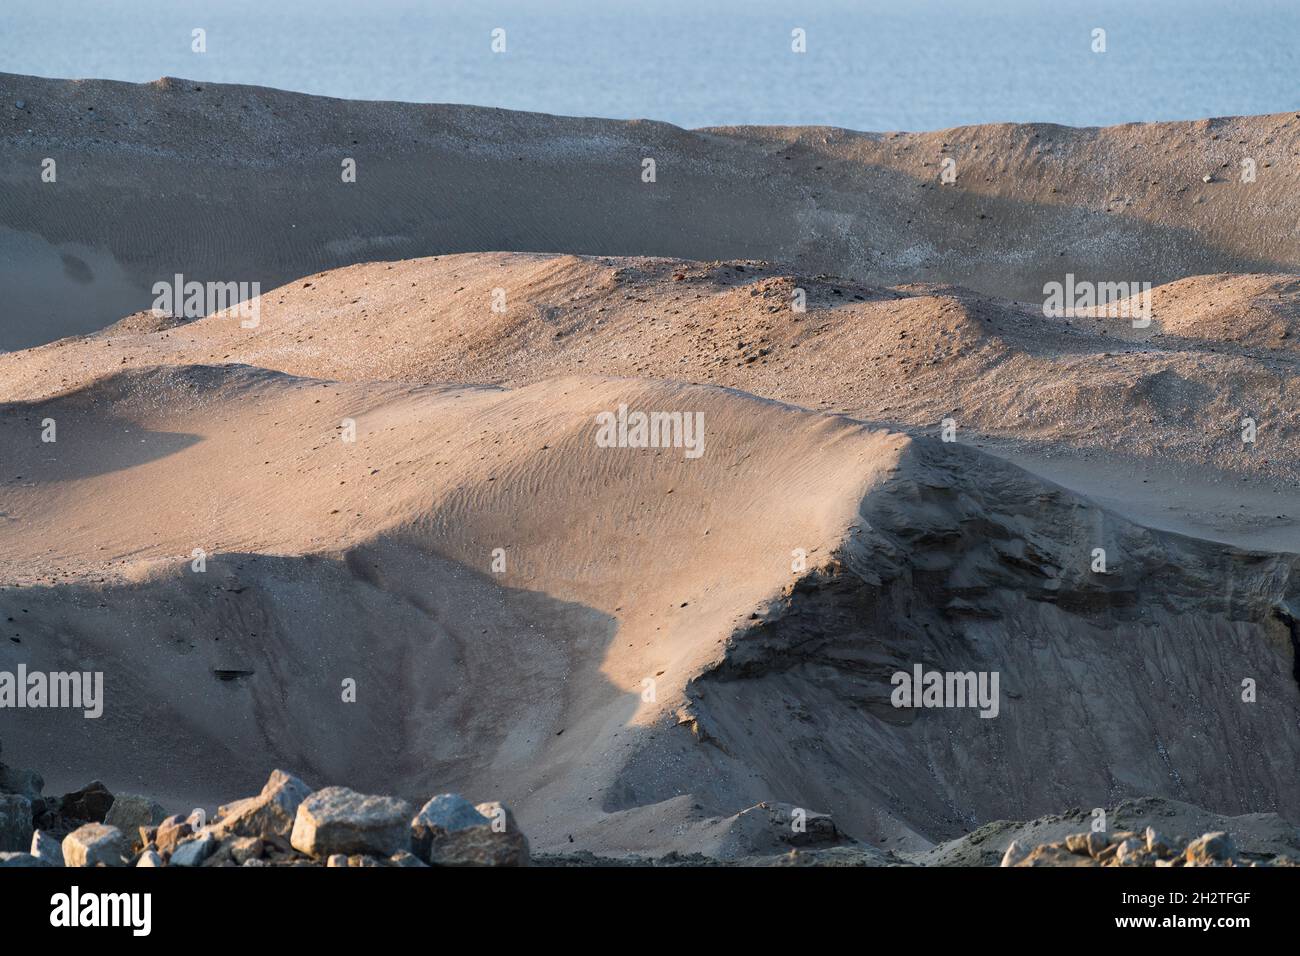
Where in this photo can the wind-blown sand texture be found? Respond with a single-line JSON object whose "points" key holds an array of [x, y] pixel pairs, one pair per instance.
{"points": [[476, 431]]}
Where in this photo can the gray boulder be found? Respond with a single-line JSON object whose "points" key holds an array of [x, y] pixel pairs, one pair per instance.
{"points": [[95, 844], [130, 812], [92, 802], [451, 831], [339, 820], [270, 813], [194, 852], [15, 823], [149, 858]]}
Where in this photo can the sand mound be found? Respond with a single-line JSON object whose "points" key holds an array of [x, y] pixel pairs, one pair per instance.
{"points": [[721, 627], [1259, 312], [1140, 417]]}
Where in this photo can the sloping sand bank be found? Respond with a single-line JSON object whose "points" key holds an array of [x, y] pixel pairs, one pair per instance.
{"points": [[372, 561]]}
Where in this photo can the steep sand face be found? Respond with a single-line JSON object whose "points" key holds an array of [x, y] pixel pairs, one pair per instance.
{"points": [[374, 560], [236, 183]]}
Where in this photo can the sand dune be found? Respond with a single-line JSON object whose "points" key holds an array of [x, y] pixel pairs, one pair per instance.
{"points": [[1086, 401], [372, 560], [389, 481]]}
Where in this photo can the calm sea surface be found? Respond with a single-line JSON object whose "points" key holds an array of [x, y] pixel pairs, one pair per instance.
{"points": [[884, 65]]}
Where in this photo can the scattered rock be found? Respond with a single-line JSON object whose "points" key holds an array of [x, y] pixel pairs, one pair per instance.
{"points": [[405, 858], [1054, 854], [130, 812], [91, 803], [1156, 843], [170, 833], [1130, 852], [94, 844], [149, 858], [1078, 843], [243, 849], [1212, 849], [1014, 854], [194, 851], [339, 820], [450, 831], [47, 848], [23, 859], [270, 813]]}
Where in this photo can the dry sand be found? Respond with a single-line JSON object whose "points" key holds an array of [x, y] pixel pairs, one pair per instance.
{"points": [[475, 431]]}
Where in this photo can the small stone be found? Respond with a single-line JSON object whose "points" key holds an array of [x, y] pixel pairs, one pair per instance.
{"points": [[149, 858], [243, 849], [20, 104], [1097, 843], [1130, 852], [404, 858], [15, 823], [94, 844], [339, 820], [130, 812], [171, 832], [1207, 178], [194, 851], [1078, 843], [337, 859], [47, 848]]}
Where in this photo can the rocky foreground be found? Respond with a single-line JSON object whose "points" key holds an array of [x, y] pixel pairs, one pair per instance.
{"points": [[287, 824], [290, 824]]}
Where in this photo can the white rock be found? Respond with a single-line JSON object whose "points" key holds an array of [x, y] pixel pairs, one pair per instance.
{"points": [[95, 844]]}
